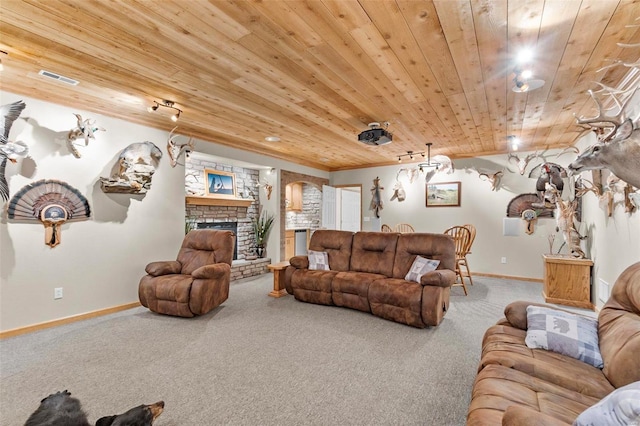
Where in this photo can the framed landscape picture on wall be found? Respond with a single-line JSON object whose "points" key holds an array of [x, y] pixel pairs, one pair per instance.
{"points": [[219, 184], [443, 194]]}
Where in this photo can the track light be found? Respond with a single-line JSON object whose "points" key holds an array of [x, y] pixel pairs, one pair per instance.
{"points": [[166, 104]]}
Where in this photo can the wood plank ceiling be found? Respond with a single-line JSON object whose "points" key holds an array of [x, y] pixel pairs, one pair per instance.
{"points": [[316, 72]]}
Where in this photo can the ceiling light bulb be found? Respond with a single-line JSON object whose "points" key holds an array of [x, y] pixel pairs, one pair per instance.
{"points": [[175, 116], [399, 159], [1, 66], [525, 55], [411, 156], [152, 108], [527, 74], [514, 146]]}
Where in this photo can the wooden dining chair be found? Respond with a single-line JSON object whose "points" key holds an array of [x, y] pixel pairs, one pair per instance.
{"points": [[461, 237], [465, 261], [404, 228], [386, 228]]}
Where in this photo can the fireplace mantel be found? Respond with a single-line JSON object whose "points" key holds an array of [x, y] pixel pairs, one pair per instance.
{"points": [[211, 201]]}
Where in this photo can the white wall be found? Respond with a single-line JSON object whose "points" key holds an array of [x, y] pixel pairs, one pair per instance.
{"points": [[101, 260], [613, 243]]}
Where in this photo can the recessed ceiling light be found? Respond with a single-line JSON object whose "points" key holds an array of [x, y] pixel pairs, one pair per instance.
{"points": [[272, 139]]}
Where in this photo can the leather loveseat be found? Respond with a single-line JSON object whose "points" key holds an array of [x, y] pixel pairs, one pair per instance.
{"points": [[367, 272], [516, 385]]}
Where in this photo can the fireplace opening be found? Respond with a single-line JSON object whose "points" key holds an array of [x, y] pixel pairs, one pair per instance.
{"points": [[225, 226]]}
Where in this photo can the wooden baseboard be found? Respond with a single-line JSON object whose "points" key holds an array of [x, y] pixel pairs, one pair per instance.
{"points": [[67, 320], [482, 274]]}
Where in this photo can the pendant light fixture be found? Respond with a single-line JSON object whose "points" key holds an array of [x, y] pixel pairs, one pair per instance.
{"points": [[429, 165]]}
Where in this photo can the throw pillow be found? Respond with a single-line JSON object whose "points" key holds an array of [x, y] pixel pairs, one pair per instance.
{"points": [[569, 334], [620, 408], [318, 260], [420, 267]]}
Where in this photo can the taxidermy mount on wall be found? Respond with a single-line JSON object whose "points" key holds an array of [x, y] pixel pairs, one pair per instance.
{"points": [[9, 150], [85, 129], [175, 150], [376, 201], [133, 170], [52, 202]]}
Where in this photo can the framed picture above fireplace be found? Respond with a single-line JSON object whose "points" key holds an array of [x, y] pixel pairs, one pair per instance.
{"points": [[219, 184]]}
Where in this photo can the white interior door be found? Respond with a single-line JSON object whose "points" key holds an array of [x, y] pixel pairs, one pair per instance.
{"points": [[350, 209], [329, 207]]}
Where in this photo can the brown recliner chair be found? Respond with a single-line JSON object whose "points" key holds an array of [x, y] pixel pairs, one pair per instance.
{"points": [[196, 282]]}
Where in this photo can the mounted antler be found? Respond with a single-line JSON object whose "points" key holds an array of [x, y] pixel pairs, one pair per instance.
{"points": [[176, 150], [524, 162], [493, 178], [598, 123]]}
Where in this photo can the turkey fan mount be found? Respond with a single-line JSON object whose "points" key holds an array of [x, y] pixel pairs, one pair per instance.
{"points": [[53, 203]]}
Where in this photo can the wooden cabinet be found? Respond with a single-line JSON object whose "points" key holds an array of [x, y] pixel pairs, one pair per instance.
{"points": [[567, 281], [293, 195], [289, 244]]}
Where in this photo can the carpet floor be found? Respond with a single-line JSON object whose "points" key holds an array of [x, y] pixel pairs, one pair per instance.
{"points": [[257, 360]]}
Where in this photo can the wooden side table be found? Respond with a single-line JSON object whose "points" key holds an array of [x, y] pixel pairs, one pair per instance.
{"points": [[278, 278], [567, 281]]}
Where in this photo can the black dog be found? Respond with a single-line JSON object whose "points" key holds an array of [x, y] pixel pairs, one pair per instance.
{"points": [[60, 409]]}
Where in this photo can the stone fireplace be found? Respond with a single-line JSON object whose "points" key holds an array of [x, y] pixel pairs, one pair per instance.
{"points": [[234, 214]]}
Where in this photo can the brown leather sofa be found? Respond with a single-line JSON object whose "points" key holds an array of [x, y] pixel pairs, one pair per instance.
{"points": [[367, 271], [516, 385], [195, 283]]}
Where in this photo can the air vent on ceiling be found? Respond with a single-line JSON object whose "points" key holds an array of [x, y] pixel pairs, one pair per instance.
{"points": [[58, 77]]}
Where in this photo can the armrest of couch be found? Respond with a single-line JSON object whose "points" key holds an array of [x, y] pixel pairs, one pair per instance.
{"points": [[300, 262], [213, 271], [518, 415], [439, 278], [516, 312], [166, 267]]}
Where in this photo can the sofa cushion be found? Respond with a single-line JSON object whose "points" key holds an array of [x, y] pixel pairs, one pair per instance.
{"points": [[620, 408], [397, 300], [565, 333], [504, 345], [496, 388], [374, 252], [351, 289], [318, 260], [313, 286], [619, 329], [337, 245], [433, 246], [421, 266]]}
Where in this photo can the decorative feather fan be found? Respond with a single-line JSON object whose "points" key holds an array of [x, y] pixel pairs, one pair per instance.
{"points": [[52, 202], [524, 202]]}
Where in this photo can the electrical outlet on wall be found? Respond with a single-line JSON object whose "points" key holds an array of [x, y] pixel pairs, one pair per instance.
{"points": [[503, 260], [57, 293]]}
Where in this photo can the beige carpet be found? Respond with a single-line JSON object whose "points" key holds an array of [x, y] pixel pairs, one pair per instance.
{"points": [[257, 360]]}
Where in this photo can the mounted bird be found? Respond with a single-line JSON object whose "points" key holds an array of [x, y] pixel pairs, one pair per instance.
{"points": [[85, 129], [9, 150], [52, 202]]}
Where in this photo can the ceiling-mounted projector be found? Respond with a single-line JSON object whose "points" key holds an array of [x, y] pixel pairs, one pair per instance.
{"points": [[375, 136]]}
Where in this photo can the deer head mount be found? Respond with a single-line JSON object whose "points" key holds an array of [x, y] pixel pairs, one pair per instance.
{"points": [[618, 147], [175, 150]]}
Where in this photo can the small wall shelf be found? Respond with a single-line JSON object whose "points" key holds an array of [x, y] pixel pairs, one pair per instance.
{"points": [[211, 201]]}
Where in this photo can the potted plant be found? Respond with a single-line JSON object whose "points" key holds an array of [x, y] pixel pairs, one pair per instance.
{"points": [[261, 228]]}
